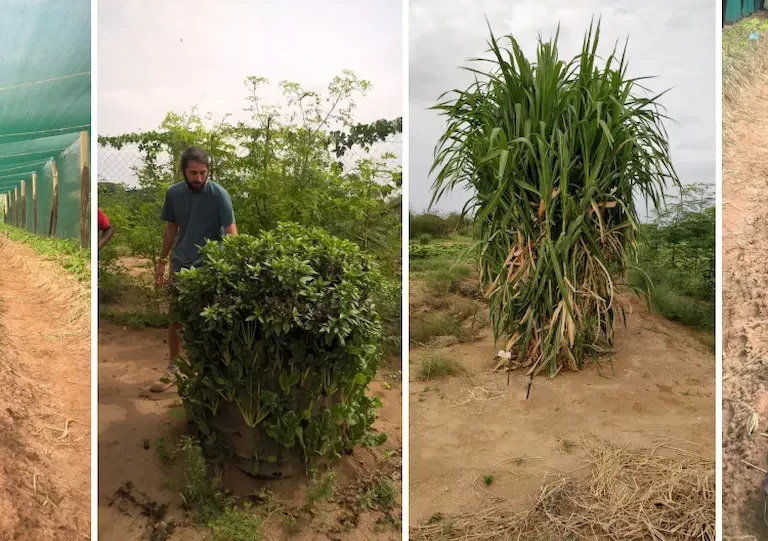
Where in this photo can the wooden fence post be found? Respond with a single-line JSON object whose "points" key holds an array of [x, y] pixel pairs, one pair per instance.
{"points": [[16, 206], [85, 183], [34, 202], [23, 205], [54, 201]]}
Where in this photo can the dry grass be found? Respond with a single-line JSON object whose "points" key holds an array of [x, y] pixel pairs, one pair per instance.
{"points": [[625, 494], [743, 61]]}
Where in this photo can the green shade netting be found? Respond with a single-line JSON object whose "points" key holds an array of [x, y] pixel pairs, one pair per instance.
{"points": [[45, 102]]}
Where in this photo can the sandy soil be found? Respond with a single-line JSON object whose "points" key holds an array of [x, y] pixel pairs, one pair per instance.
{"points": [[131, 418], [470, 426], [745, 313], [45, 400]]}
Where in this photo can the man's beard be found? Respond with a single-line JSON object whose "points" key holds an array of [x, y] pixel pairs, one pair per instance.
{"points": [[195, 187]]}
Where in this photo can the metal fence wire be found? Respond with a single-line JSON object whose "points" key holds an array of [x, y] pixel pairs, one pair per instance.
{"points": [[122, 166]]}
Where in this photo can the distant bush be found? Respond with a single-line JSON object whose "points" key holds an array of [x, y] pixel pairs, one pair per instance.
{"points": [[438, 226]]}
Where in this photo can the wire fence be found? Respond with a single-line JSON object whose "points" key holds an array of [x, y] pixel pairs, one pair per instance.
{"points": [[123, 166]]}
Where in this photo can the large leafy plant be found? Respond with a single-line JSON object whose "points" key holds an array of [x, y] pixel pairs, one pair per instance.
{"points": [[554, 153], [283, 326]]}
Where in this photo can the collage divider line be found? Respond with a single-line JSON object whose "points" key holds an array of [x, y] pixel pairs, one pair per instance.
{"points": [[405, 235], [718, 272], [94, 273]]}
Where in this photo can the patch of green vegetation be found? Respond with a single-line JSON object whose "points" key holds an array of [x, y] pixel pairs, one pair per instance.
{"points": [[738, 51], [381, 495], [201, 488], [683, 309], [433, 225], [65, 252], [420, 250], [435, 366], [236, 524], [677, 259], [464, 308], [439, 262], [437, 517], [388, 521], [321, 488], [389, 304], [439, 280], [163, 453], [205, 500], [135, 318], [424, 329], [488, 480]]}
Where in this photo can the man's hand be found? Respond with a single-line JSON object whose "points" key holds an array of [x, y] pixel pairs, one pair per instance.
{"points": [[160, 273]]}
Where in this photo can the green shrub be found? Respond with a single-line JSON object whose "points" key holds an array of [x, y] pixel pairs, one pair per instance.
{"points": [[432, 225], [389, 305], [436, 366], [283, 327]]}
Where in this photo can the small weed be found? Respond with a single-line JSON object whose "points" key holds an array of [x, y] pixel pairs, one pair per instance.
{"points": [[435, 366], [161, 447], [321, 488], [290, 523], [437, 517], [520, 460], [381, 495], [388, 522], [202, 493], [236, 524], [488, 480], [566, 445], [269, 506]]}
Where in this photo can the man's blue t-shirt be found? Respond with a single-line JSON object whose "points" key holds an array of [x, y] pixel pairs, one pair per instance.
{"points": [[200, 216]]}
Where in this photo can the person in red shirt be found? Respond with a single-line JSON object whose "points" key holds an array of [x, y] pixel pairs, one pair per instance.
{"points": [[106, 230]]}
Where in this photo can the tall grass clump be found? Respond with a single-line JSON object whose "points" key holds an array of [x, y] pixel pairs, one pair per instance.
{"points": [[554, 152]]}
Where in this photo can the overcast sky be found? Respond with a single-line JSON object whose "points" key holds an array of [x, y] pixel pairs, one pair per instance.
{"points": [[674, 41], [156, 57]]}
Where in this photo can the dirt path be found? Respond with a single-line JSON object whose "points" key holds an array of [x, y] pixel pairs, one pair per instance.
{"points": [[745, 311], [467, 428], [131, 419], [45, 414]]}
